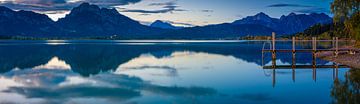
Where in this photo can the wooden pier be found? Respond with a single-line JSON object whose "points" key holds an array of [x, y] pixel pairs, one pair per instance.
{"points": [[335, 50]]}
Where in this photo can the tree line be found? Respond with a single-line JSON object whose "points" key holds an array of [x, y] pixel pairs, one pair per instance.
{"points": [[346, 22]]}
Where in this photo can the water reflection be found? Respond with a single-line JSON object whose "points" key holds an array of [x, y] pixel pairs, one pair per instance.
{"points": [[157, 73], [347, 91], [59, 86]]}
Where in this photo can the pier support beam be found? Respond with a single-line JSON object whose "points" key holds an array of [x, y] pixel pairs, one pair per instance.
{"points": [[293, 58], [314, 57], [274, 58], [273, 50], [293, 44], [314, 43], [314, 51], [336, 47], [293, 52]]}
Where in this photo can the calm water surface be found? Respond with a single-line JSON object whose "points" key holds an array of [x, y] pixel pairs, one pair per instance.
{"points": [[163, 72]]}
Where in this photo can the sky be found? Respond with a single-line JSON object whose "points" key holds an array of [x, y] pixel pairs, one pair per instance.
{"points": [[179, 12]]}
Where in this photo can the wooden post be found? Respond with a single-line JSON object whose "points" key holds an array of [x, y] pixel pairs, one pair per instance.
{"points": [[273, 50], [273, 41], [336, 46], [314, 43], [274, 58], [314, 51], [293, 44], [293, 53], [333, 42], [294, 60], [314, 58], [293, 66]]}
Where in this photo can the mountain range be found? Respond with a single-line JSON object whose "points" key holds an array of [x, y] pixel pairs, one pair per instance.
{"points": [[290, 24], [88, 20], [24, 23]]}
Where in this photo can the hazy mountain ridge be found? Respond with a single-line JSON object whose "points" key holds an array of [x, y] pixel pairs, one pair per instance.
{"points": [[221, 31], [164, 25]]}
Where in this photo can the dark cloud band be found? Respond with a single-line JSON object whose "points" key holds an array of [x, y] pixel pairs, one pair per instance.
{"points": [[59, 5], [312, 10], [288, 5], [167, 7]]}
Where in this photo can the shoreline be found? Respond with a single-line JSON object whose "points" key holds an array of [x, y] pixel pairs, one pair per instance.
{"points": [[351, 60]]}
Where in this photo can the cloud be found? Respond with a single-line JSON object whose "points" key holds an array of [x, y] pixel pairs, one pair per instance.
{"points": [[305, 8], [111, 2], [179, 23], [288, 5], [167, 7], [207, 10], [112, 87], [164, 4], [36, 2], [59, 5], [36, 7], [312, 10], [67, 92], [152, 67], [170, 71], [149, 11]]}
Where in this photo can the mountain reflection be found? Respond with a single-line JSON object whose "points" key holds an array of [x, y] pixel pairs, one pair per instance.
{"points": [[90, 59]]}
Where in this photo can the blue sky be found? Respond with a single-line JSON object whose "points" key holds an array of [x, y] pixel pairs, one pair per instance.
{"points": [[179, 12]]}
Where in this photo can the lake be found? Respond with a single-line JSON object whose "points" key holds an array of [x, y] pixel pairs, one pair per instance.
{"points": [[165, 72]]}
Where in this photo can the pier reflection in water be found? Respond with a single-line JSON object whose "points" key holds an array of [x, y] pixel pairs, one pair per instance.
{"points": [[113, 72]]}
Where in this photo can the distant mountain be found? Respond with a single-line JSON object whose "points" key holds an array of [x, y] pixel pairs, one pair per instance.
{"points": [[294, 23], [25, 23], [164, 25], [290, 24], [260, 19], [91, 20]]}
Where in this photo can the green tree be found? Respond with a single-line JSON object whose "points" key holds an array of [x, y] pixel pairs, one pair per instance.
{"points": [[353, 25], [346, 13]]}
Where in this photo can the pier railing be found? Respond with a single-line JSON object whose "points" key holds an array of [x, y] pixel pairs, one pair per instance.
{"points": [[313, 47]]}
